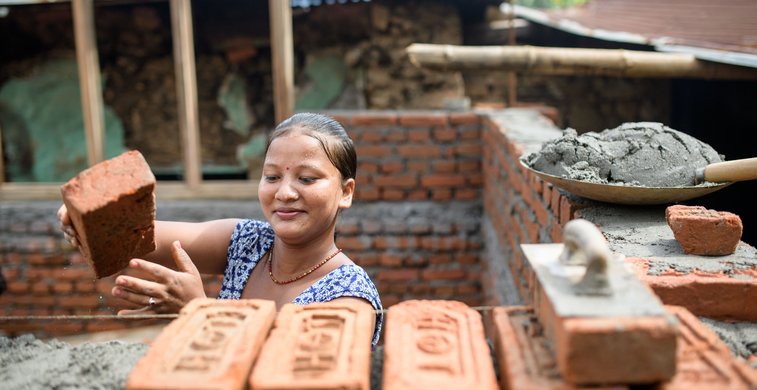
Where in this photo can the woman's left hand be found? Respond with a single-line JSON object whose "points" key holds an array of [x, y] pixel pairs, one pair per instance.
{"points": [[166, 291]]}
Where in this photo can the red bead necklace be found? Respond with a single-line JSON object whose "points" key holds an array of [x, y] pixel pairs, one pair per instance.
{"points": [[298, 277]]}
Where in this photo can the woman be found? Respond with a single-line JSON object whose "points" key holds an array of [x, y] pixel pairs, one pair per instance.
{"points": [[308, 177]]}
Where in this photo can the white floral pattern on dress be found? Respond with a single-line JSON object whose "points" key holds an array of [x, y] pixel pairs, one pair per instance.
{"points": [[252, 239]]}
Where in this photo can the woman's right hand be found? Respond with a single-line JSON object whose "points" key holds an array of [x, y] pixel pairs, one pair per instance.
{"points": [[69, 232]]}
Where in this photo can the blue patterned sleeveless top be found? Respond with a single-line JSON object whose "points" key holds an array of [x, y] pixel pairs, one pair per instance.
{"points": [[252, 239]]}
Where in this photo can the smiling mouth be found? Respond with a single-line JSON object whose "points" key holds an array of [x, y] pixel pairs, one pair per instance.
{"points": [[287, 213]]}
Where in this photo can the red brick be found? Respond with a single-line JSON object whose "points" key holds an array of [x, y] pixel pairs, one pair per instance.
{"points": [[470, 133], [399, 274], [444, 134], [374, 118], [396, 135], [112, 207], [212, 344], [471, 149], [321, 345], [63, 287], [443, 180], [418, 135], [444, 166], [524, 354], [392, 167], [586, 346], [392, 194], [704, 361], [705, 294], [396, 181], [18, 287], [467, 194], [441, 194], [423, 118], [418, 166], [704, 232], [354, 243], [419, 194], [463, 118], [443, 274], [367, 193], [419, 151], [373, 136], [390, 260], [373, 150], [436, 344]]}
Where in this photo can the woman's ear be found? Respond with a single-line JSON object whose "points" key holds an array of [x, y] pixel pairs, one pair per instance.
{"points": [[348, 190]]}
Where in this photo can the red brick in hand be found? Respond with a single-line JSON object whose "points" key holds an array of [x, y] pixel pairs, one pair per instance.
{"points": [[701, 231], [212, 345], [112, 207]]}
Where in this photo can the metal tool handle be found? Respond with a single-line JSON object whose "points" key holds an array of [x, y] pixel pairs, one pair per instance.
{"points": [[585, 245], [735, 170]]}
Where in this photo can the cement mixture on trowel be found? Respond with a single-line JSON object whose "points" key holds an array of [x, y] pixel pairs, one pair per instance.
{"points": [[647, 154]]}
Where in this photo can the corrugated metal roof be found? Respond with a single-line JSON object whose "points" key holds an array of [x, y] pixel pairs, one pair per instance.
{"points": [[722, 31]]}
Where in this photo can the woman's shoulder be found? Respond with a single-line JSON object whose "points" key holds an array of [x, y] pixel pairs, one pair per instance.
{"points": [[251, 229], [349, 280]]}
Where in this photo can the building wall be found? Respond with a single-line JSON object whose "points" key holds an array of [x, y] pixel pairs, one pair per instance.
{"points": [[442, 207]]}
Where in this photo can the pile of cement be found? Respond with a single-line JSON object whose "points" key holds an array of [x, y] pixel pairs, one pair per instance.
{"points": [[29, 363], [647, 154]]}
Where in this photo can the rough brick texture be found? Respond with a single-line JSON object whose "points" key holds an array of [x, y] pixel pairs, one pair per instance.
{"points": [[318, 346], [524, 354], [526, 360], [212, 345], [434, 345], [112, 207], [705, 232]]}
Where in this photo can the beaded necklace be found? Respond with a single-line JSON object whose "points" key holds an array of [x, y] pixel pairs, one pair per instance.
{"points": [[304, 274]]}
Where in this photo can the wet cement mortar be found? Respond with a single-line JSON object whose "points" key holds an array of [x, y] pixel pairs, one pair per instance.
{"points": [[29, 363], [647, 154]]}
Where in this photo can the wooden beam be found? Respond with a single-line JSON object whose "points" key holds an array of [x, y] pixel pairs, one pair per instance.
{"points": [[186, 90], [89, 79], [561, 61], [282, 53]]}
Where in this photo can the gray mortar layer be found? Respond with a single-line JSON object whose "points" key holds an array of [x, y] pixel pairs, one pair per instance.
{"points": [[643, 232], [647, 154], [29, 363]]}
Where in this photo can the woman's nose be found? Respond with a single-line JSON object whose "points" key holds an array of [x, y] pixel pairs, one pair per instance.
{"points": [[286, 191]]}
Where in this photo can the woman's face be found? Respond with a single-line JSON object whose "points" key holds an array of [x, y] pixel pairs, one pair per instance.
{"points": [[301, 191]]}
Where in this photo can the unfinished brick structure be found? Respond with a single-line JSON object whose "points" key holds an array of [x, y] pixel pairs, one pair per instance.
{"points": [[441, 209]]}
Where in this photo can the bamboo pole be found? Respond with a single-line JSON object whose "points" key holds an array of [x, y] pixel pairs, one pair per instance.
{"points": [[282, 53], [573, 61], [89, 78], [186, 90]]}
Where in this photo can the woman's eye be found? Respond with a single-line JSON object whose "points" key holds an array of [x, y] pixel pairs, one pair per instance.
{"points": [[270, 179], [307, 180]]}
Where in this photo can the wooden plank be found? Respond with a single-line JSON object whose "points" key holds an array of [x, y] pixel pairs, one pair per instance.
{"points": [[186, 89], [562, 61], [282, 53], [89, 78]]}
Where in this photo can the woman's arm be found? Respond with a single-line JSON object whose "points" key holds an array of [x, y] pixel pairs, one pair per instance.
{"points": [[206, 243]]}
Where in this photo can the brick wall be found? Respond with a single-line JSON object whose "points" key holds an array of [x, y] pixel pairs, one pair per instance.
{"points": [[414, 226], [441, 208]]}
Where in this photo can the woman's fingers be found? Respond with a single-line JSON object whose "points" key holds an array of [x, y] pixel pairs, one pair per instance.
{"points": [[142, 288], [154, 272], [183, 262]]}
